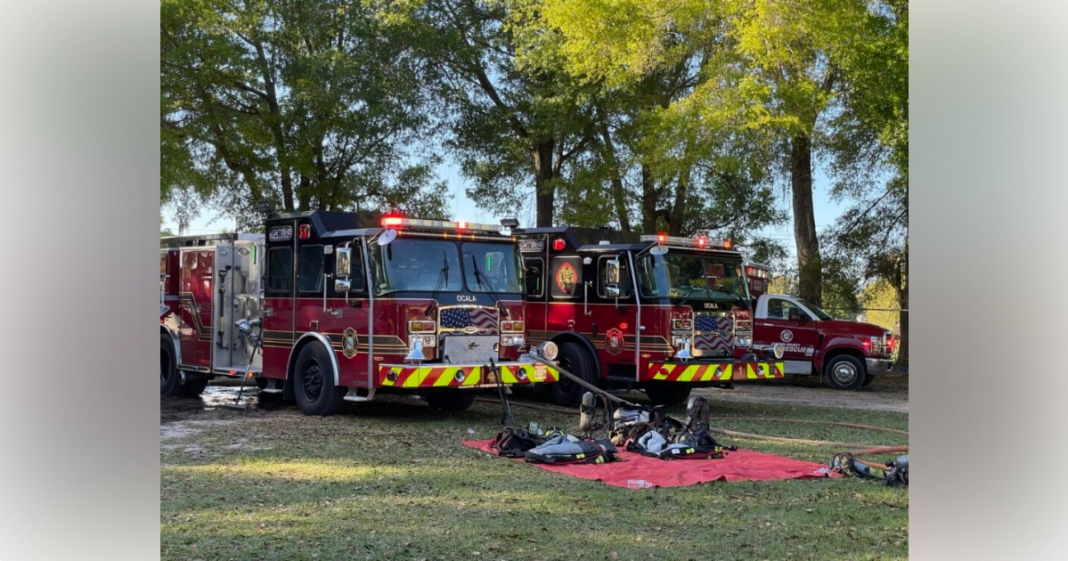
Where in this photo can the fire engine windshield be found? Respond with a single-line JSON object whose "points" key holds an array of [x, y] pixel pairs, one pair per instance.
{"points": [[492, 267], [683, 278], [409, 264]]}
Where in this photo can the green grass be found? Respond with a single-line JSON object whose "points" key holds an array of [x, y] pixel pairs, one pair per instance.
{"points": [[391, 480]]}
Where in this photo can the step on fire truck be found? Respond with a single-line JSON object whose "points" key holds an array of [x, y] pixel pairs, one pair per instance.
{"points": [[657, 313], [344, 306], [848, 354]]}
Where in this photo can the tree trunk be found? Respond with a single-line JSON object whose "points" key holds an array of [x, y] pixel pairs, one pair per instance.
{"points": [[808, 245], [903, 304], [649, 213], [618, 193], [544, 190]]}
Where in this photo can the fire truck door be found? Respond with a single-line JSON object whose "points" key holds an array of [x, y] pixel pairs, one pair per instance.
{"points": [[195, 332], [789, 325], [278, 304]]}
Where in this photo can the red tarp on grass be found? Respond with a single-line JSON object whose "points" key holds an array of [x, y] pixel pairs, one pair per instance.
{"points": [[740, 465]]}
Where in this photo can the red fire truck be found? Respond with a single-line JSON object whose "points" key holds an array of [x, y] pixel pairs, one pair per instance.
{"points": [[848, 354], [344, 306], [657, 313]]}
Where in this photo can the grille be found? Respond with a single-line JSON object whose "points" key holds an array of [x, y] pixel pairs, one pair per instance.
{"points": [[469, 349]]}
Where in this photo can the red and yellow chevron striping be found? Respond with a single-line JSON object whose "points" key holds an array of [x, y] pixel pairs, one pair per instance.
{"points": [[409, 376], [673, 372]]}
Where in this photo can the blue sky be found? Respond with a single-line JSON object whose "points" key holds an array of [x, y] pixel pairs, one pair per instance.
{"points": [[463, 208]]}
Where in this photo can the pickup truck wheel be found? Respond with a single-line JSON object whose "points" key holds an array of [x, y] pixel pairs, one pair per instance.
{"points": [[668, 393], [577, 361], [844, 372]]}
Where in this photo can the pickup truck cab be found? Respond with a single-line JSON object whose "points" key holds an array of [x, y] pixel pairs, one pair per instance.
{"points": [[848, 354]]}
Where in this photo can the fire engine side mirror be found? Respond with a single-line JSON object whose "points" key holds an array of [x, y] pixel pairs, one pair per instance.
{"points": [[343, 266], [386, 238], [611, 278]]}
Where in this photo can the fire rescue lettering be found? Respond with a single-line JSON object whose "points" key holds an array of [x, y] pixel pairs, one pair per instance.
{"points": [[566, 277]]}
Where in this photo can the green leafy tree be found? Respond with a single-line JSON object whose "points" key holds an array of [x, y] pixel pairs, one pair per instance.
{"points": [[515, 127], [300, 104], [773, 66]]}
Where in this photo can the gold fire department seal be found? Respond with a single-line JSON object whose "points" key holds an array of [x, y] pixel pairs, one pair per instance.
{"points": [[348, 343]]}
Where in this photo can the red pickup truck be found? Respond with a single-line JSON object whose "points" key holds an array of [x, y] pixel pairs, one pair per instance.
{"points": [[849, 354]]}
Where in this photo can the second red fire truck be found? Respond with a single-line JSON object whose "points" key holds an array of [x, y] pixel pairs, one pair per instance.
{"points": [[656, 313], [327, 307]]}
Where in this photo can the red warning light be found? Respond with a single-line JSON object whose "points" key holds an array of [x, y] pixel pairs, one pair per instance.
{"points": [[727, 244], [558, 245], [661, 238], [702, 242], [305, 231], [392, 221], [623, 325], [461, 225]]}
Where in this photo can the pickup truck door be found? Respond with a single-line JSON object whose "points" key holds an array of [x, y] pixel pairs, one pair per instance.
{"points": [[785, 322]]}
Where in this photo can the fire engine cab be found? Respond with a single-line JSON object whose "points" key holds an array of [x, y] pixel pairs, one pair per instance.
{"points": [[657, 313], [848, 354], [344, 306]]}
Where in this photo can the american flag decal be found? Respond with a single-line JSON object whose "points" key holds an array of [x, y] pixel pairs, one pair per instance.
{"points": [[482, 319], [713, 333]]}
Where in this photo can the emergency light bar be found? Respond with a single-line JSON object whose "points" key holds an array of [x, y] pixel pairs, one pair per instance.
{"points": [[459, 226], [700, 242]]}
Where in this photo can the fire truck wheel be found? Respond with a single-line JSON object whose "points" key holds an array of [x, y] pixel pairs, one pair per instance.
{"points": [[577, 361], [314, 382], [169, 384], [194, 387], [450, 402], [668, 393], [844, 372]]}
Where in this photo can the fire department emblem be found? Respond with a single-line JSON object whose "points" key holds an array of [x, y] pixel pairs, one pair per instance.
{"points": [[566, 277], [786, 336], [613, 341], [348, 343]]}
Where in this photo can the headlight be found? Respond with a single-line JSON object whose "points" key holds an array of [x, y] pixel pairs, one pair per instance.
{"points": [[512, 340], [548, 350]]}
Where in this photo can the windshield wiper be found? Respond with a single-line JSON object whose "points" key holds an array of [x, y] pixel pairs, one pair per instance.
{"points": [[443, 280], [481, 281]]}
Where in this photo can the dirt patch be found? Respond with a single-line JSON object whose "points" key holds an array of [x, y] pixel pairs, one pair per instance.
{"points": [[887, 394]]}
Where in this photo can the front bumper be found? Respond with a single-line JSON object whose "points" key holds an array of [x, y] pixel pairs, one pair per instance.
{"points": [[463, 376], [877, 366], [713, 372]]}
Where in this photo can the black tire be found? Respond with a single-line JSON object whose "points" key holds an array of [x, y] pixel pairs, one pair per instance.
{"points": [[867, 381], [193, 387], [453, 401], [169, 384], [577, 361], [844, 372], [313, 378], [668, 393]]}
